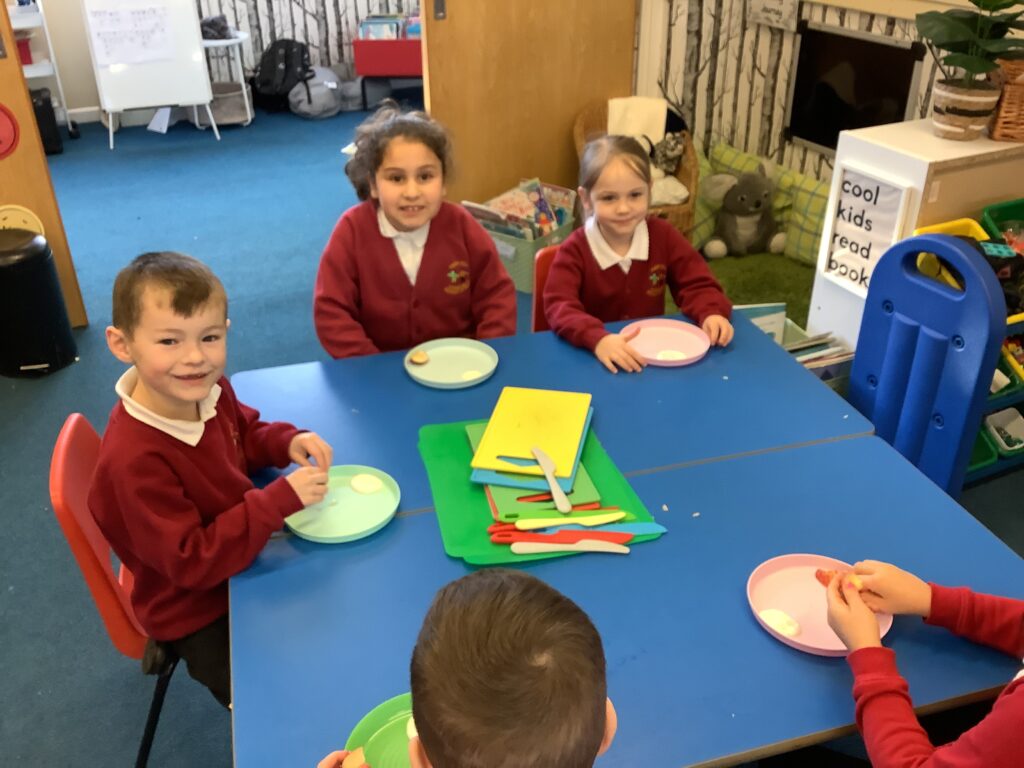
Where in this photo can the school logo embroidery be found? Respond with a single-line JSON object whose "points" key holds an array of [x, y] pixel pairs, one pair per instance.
{"points": [[656, 278], [458, 278]]}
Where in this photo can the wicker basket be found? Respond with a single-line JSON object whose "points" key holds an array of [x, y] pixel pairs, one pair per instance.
{"points": [[1008, 124], [592, 123]]}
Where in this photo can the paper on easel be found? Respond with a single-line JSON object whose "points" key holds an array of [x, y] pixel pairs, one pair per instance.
{"points": [[130, 35]]}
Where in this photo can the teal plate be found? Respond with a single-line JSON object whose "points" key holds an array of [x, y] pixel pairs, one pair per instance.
{"points": [[454, 363], [382, 733], [345, 514]]}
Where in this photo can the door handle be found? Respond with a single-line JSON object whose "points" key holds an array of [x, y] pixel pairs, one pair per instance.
{"points": [[440, 10]]}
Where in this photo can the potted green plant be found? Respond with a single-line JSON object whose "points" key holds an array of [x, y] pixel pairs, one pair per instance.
{"points": [[972, 42]]}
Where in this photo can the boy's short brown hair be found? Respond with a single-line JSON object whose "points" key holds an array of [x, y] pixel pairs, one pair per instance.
{"points": [[192, 284], [507, 671]]}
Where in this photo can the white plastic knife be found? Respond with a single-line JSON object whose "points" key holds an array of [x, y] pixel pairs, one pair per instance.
{"points": [[557, 494], [584, 545]]}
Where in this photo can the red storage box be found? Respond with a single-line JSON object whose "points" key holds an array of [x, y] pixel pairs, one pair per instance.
{"points": [[388, 58], [24, 51]]}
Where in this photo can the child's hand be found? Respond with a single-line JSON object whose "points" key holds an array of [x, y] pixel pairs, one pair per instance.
{"points": [[335, 759], [718, 329], [614, 350], [309, 484], [309, 445], [893, 590], [849, 617]]}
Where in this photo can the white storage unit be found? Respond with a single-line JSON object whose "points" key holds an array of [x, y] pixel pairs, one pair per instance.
{"points": [[42, 71], [906, 178]]}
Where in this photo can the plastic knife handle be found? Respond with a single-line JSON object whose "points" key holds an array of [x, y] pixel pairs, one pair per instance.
{"points": [[557, 494], [586, 545]]}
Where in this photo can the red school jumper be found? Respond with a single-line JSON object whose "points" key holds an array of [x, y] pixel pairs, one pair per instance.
{"points": [[185, 519], [363, 302], [885, 714], [580, 297]]}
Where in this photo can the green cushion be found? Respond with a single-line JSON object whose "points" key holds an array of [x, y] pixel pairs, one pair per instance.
{"points": [[703, 212], [807, 218]]}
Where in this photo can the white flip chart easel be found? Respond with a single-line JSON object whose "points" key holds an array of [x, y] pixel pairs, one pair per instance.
{"points": [[147, 53]]}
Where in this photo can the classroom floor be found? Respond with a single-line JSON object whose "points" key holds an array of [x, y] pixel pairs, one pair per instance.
{"points": [[258, 207]]}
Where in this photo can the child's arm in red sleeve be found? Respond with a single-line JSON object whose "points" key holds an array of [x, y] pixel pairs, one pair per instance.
{"points": [[336, 298], [493, 293]]}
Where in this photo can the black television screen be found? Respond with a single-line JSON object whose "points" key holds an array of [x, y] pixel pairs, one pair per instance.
{"points": [[846, 79]]}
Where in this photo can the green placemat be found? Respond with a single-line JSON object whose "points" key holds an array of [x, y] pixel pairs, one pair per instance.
{"points": [[462, 510]]}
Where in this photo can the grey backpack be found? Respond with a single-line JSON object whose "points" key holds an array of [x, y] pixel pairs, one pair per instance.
{"points": [[318, 97]]}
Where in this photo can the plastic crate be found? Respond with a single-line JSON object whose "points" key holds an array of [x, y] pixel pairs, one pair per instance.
{"points": [[518, 254], [929, 264], [983, 453], [995, 217], [1016, 383], [1008, 421]]}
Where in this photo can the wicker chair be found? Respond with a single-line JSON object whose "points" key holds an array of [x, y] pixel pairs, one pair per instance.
{"points": [[592, 123]]}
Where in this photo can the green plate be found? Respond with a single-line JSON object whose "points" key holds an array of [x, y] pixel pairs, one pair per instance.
{"points": [[345, 514], [382, 733], [454, 363]]}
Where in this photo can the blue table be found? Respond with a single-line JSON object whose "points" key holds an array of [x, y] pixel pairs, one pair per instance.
{"points": [[321, 634], [748, 397]]}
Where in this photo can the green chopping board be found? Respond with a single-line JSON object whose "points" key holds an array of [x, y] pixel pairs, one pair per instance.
{"points": [[462, 510]]}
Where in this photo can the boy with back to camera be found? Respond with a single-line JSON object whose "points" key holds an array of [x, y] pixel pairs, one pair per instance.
{"points": [[507, 672], [171, 491]]}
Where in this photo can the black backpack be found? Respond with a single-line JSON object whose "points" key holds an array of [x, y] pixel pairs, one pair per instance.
{"points": [[282, 66]]}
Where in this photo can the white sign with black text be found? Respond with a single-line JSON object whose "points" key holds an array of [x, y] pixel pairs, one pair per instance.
{"points": [[866, 219], [781, 14]]}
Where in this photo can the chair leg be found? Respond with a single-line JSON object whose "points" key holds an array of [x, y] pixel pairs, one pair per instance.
{"points": [[154, 713]]}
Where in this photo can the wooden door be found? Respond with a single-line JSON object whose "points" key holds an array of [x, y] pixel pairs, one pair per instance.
{"points": [[508, 77], [26, 193]]}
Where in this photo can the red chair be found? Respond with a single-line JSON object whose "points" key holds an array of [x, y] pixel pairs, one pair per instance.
{"points": [[541, 267], [71, 469]]}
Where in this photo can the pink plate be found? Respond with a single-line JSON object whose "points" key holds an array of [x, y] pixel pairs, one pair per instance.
{"points": [[668, 343], [787, 583]]}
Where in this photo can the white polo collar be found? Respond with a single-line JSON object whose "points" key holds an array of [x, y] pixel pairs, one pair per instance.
{"points": [[606, 257], [189, 432], [418, 237]]}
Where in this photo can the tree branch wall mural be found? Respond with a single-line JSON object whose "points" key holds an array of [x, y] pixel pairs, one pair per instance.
{"points": [[731, 76]]}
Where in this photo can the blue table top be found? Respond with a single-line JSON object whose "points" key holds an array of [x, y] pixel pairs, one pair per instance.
{"points": [[750, 396], [321, 634]]}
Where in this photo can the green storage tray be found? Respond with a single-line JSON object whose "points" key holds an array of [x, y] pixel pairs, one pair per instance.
{"points": [[462, 510], [518, 254], [983, 454], [1015, 385], [995, 216]]}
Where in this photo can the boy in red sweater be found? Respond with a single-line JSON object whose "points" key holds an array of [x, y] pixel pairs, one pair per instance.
{"points": [[404, 266], [171, 490], [507, 672], [884, 711], [617, 265]]}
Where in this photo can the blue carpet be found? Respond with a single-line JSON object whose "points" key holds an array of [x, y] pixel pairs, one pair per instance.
{"points": [[258, 207]]}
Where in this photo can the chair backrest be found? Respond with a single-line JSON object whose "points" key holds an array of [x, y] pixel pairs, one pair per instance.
{"points": [[541, 266], [71, 468], [926, 353]]}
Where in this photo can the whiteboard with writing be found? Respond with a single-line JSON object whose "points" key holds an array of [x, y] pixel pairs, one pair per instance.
{"points": [[865, 218], [146, 53]]}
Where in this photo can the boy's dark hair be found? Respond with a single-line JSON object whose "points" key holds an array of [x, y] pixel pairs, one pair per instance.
{"points": [[508, 672], [192, 284], [387, 123]]}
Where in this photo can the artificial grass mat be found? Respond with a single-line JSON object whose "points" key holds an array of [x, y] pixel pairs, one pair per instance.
{"points": [[765, 277]]}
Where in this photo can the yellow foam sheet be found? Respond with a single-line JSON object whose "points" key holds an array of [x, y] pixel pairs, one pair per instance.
{"points": [[523, 418]]}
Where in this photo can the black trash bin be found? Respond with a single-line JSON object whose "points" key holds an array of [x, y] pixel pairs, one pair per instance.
{"points": [[35, 335]]}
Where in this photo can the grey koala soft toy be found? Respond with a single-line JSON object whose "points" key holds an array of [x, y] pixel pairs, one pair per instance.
{"points": [[745, 222]]}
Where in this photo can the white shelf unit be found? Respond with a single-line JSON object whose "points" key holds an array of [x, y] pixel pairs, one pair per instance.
{"points": [[33, 17]]}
